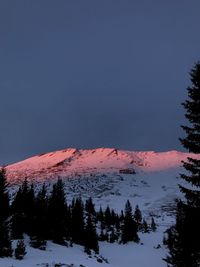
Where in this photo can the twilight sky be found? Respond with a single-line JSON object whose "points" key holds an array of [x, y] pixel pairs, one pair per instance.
{"points": [[94, 73]]}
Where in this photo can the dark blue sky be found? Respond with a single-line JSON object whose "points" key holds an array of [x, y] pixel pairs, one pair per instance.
{"points": [[94, 73]]}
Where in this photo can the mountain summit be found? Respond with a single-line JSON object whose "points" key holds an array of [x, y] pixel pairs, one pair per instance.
{"points": [[72, 162]]}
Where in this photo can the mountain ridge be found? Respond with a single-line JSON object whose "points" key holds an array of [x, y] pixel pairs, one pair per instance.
{"points": [[73, 162]]}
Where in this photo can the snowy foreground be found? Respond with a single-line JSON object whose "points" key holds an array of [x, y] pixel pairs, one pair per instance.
{"points": [[130, 255], [96, 174]]}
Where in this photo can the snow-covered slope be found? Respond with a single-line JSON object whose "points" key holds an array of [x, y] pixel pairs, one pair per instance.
{"points": [[110, 176], [72, 162]]}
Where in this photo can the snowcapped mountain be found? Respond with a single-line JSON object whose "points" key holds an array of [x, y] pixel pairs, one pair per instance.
{"points": [[72, 162], [110, 176]]}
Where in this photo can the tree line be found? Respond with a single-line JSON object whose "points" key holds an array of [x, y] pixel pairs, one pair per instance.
{"points": [[182, 239], [47, 216]]}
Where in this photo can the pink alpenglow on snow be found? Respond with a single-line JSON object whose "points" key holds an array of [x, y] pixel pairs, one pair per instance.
{"points": [[71, 162]]}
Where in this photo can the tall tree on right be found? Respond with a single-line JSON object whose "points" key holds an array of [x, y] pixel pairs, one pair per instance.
{"points": [[183, 238]]}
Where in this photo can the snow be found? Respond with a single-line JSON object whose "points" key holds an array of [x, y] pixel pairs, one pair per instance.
{"points": [[72, 162], [144, 254], [54, 254], [95, 173]]}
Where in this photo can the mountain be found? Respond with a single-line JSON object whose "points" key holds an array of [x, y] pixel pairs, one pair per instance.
{"points": [[109, 175], [72, 162]]}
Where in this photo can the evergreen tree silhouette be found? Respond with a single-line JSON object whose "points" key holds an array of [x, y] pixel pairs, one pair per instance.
{"points": [[129, 231], [40, 223], [57, 211], [20, 250], [5, 241], [91, 238], [89, 207], [145, 227], [153, 225], [77, 222], [17, 220], [138, 217], [183, 238]]}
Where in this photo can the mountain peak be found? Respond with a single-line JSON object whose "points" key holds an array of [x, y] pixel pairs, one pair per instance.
{"points": [[71, 162]]}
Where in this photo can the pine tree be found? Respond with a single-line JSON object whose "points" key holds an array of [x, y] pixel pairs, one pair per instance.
{"points": [[29, 210], [23, 209], [100, 215], [192, 139], [20, 250], [113, 236], [57, 211], [77, 222], [89, 207], [5, 241], [91, 238], [129, 231], [138, 217], [153, 225], [17, 219], [4, 197], [145, 227], [40, 223], [108, 217], [183, 238]]}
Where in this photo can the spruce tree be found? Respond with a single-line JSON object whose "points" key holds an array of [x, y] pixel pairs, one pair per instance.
{"points": [[192, 140], [57, 210], [153, 225], [20, 250], [23, 209], [5, 241], [17, 219], [91, 238], [77, 222], [183, 238], [129, 231], [39, 231], [4, 197], [100, 215], [108, 217], [89, 207], [138, 217], [145, 227]]}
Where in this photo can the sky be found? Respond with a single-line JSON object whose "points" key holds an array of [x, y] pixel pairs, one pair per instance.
{"points": [[89, 74]]}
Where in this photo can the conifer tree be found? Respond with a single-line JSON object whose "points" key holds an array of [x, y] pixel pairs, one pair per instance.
{"points": [[23, 209], [4, 197], [113, 236], [17, 219], [145, 227], [40, 223], [77, 222], [153, 225], [108, 217], [100, 215], [129, 231], [138, 217], [57, 213], [91, 238], [183, 238], [89, 207], [20, 250], [192, 140], [5, 241]]}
